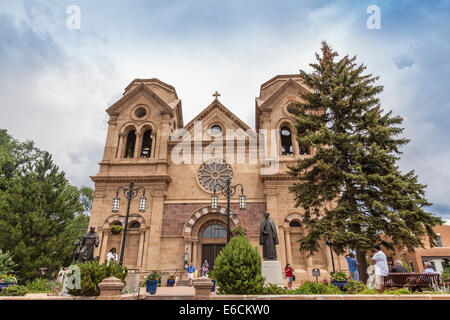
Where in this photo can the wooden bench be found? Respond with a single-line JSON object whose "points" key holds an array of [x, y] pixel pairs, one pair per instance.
{"points": [[412, 280]]}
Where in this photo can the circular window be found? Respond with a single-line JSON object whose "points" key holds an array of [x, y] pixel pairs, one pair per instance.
{"points": [[140, 112], [291, 108], [216, 129], [214, 172]]}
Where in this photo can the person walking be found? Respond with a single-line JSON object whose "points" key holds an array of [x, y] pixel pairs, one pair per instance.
{"points": [[352, 266], [381, 268], [190, 271], [205, 268], [289, 275]]}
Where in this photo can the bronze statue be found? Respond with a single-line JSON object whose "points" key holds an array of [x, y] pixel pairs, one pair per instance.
{"points": [[268, 238], [76, 251], [87, 244]]}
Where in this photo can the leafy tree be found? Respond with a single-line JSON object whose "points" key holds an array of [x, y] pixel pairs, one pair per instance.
{"points": [[237, 269], [351, 189], [41, 214]]}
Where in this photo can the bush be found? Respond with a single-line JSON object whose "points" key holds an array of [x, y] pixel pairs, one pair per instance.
{"points": [[237, 269], [92, 273], [317, 288], [398, 292], [39, 285], [354, 287], [15, 290], [274, 289], [368, 291], [7, 265]]}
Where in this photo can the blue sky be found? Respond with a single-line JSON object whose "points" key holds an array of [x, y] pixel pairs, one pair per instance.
{"points": [[55, 83]]}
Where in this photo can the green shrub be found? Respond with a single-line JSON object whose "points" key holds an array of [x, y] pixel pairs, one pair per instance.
{"points": [[39, 285], [237, 269], [15, 290], [274, 289], [398, 291], [92, 273], [7, 265], [317, 288], [354, 287], [368, 291]]}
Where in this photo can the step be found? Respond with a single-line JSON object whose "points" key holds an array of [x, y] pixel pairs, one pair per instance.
{"points": [[183, 283]]}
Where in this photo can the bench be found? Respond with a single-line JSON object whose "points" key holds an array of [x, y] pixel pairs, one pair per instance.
{"points": [[412, 280]]}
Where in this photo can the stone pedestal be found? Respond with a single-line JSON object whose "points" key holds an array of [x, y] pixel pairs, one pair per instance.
{"points": [[164, 277], [110, 287], [202, 287], [271, 269]]}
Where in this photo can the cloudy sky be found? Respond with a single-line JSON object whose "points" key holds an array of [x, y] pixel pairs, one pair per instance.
{"points": [[56, 82]]}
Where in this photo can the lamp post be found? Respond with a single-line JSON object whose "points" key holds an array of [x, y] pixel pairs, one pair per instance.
{"points": [[228, 191], [330, 244], [129, 193]]}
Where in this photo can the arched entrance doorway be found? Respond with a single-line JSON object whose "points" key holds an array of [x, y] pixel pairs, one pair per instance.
{"points": [[213, 237]]}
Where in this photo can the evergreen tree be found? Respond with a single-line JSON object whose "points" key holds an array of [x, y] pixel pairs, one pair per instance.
{"points": [[351, 189], [41, 214]]}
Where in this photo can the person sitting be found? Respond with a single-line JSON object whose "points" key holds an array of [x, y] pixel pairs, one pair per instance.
{"points": [[428, 268], [398, 267]]}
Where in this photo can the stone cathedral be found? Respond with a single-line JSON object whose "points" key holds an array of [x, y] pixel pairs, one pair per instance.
{"points": [[178, 224]]}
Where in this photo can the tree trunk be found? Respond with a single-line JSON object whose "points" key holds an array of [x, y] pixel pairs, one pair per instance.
{"points": [[362, 265]]}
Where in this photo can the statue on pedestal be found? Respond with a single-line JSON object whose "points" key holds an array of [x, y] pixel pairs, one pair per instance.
{"points": [[268, 238], [87, 244]]}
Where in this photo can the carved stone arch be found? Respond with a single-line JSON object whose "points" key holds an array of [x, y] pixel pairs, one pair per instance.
{"points": [[191, 221], [146, 126], [116, 217], [292, 217], [127, 127]]}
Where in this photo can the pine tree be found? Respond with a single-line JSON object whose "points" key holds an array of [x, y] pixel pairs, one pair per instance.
{"points": [[351, 189], [41, 214]]}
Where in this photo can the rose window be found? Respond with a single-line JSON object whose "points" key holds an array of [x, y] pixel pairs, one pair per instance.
{"points": [[214, 172]]}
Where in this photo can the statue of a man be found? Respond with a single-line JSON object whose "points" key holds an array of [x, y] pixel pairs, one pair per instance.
{"points": [[87, 244], [268, 238]]}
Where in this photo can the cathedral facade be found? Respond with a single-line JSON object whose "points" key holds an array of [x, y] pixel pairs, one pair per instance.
{"points": [[179, 166]]}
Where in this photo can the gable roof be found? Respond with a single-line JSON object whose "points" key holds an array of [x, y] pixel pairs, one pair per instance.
{"points": [[142, 88], [265, 104], [216, 104]]}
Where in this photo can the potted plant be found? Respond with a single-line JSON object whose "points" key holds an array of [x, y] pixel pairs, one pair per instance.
{"points": [[152, 282], [116, 229], [339, 279], [7, 280], [171, 280]]}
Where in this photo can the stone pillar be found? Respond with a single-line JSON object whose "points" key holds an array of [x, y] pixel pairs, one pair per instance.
{"points": [[287, 239], [145, 252], [137, 145], [164, 137], [121, 146], [111, 139], [104, 246], [141, 246], [281, 248], [156, 229], [110, 287], [195, 252], [202, 287]]}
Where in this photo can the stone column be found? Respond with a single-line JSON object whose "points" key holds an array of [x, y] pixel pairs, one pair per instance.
{"points": [[121, 147], [145, 250], [104, 246], [195, 252], [164, 137], [156, 229], [141, 246], [137, 145], [111, 139], [287, 239]]}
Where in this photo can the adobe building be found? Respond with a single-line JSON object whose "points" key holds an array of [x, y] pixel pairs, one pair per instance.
{"points": [[179, 223]]}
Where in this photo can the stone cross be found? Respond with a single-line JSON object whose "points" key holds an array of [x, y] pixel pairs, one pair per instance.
{"points": [[216, 94]]}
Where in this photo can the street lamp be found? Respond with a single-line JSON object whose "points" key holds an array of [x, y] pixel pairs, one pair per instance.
{"points": [[228, 191], [129, 193], [330, 244]]}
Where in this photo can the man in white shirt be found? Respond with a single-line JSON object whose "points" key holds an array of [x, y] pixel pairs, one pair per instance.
{"points": [[381, 268]]}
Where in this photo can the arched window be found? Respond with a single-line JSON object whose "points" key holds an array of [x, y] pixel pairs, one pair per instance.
{"points": [[134, 225], [214, 231], [294, 223], [131, 141], [147, 140], [286, 141]]}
